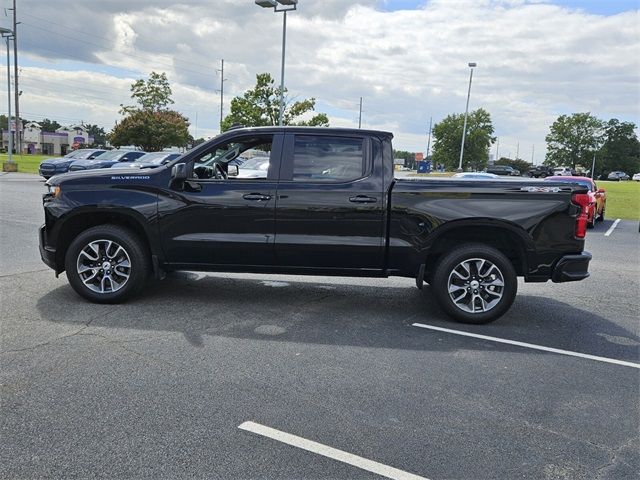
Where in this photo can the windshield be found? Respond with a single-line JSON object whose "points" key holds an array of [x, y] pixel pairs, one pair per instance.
{"points": [[112, 155], [156, 158], [83, 154], [78, 154]]}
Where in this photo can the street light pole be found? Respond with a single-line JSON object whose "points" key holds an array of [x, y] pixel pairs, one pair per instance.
{"points": [[7, 34], [466, 113], [289, 5], [15, 80]]}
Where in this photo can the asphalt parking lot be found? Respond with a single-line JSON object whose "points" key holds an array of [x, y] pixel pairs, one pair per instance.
{"points": [[158, 387]]}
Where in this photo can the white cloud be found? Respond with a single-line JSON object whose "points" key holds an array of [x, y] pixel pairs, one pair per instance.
{"points": [[535, 61]]}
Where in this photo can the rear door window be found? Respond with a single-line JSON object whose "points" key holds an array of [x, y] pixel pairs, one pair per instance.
{"points": [[328, 159]]}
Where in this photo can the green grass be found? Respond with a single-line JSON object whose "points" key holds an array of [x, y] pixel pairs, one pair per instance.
{"points": [[26, 163], [623, 199]]}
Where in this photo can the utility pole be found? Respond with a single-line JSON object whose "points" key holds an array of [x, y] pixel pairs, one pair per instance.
{"points": [[497, 148], [15, 75], [429, 141], [360, 115], [517, 149], [533, 149], [221, 92]]}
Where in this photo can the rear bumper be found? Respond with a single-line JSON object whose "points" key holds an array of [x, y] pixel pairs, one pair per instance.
{"points": [[572, 268], [47, 254]]}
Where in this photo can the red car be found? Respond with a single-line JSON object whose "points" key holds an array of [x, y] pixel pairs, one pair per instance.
{"points": [[597, 197]]}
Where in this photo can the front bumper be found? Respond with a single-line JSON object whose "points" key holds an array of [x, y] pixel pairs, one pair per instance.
{"points": [[572, 268], [48, 254]]}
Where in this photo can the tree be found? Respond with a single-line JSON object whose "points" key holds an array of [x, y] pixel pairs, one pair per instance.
{"points": [[572, 140], [152, 131], [620, 150], [153, 94], [49, 125], [260, 106], [517, 163], [447, 136], [98, 134], [151, 126]]}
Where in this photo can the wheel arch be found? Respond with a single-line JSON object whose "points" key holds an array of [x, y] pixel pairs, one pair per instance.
{"points": [[513, 241], [80, 221]]}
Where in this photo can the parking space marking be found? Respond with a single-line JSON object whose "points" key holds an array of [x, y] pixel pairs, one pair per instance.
{"points": [[531, 345], [330, 452], [612, 228]]}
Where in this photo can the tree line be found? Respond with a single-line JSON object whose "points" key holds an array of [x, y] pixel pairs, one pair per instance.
{"points": [[572, 141]]}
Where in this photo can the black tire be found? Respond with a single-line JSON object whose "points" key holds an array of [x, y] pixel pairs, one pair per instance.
{"points": [[444, 275], [132, 252], [543, 175]]}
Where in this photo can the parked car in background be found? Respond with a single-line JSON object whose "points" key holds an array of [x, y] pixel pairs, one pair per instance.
{"points": [[515, 173], [476, 175], [636, 177], [541, 171], [106, 160], [54, 166], [256, 167], [597, 197], [564, 171], [617, 175], [149, 160], [500, 170]]}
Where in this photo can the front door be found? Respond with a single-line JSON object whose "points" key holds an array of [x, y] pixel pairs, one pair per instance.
{"points": [[225, 214], [329, 212]]}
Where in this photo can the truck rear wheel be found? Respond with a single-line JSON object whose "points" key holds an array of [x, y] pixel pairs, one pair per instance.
{"points": [[107, 264], [475, 284]]}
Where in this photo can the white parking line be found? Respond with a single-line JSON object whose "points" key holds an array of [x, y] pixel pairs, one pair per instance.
{"points": [[612, 228], [531, 345], [330, 452]]}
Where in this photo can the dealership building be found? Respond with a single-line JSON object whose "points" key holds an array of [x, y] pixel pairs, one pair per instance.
{"points": [[36, 141]]}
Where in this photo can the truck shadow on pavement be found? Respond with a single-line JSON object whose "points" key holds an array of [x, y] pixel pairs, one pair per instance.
{"points": [[373, 314]]}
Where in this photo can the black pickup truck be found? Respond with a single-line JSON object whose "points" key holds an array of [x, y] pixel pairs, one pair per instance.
{"points": [[321, 201]]}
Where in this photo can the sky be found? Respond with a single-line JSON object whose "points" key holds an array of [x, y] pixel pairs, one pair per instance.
{"points": [[407, 59]]}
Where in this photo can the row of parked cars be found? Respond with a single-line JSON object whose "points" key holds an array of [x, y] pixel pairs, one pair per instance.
{"points": [[544, 171], [89, 159]]}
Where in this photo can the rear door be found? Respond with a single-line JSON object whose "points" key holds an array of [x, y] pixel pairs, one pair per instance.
{"points": [[329, 210]]}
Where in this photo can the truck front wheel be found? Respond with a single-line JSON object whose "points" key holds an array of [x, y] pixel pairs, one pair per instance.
{"points": [[106, 264], [475, 284]]}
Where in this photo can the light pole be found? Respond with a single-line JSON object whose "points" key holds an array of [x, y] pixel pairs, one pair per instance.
{"points": [[7, 34], [287, 5], [466, 113]]}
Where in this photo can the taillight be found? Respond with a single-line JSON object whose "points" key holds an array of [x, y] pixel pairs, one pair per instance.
{"points": [[581, 200]]}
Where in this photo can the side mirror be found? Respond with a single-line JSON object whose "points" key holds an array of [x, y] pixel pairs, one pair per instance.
{"points": [[233, 171], [178, 175], [179, 171]]}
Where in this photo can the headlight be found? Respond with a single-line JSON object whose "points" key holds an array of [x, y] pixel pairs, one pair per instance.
{"points": [[54, 190]]}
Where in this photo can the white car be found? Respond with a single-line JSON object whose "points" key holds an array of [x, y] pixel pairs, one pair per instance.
{"points": [[636, 177], [563, 172]]}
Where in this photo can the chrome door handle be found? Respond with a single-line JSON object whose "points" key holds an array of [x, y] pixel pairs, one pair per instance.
{"points": [[362, 199], [256, 197]]}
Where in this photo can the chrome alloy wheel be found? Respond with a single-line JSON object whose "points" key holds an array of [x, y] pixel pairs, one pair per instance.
{"points": [[104, 266], [476, 285]]}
